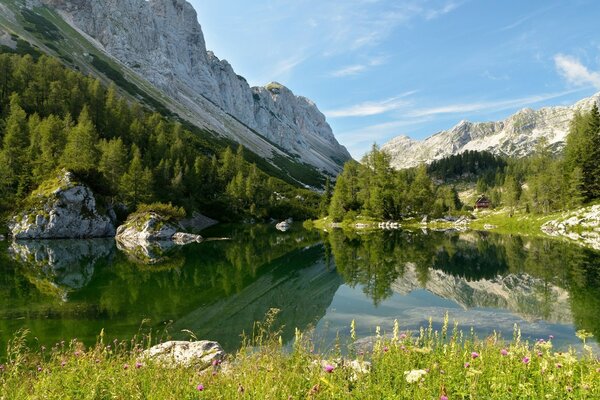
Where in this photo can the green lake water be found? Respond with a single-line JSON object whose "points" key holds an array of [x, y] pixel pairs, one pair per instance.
{"points": [[61, 290]]}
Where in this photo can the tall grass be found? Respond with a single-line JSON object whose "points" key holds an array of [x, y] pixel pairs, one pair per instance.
{"points": [[444, 364]]}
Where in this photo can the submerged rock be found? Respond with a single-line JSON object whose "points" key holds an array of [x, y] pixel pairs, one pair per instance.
{"points": [[197, 222], [180, 353], [63, 209], [182, 238]]}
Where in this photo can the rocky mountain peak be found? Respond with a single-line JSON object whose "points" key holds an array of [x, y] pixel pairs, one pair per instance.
{"points": [[162, 42], [515, 136]]}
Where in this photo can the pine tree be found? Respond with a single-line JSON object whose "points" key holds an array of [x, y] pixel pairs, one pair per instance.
{"points": [[13, 157], [113, 162], [136, 184], [325, 199], [338, 199], [510, 193], [81, 154]]}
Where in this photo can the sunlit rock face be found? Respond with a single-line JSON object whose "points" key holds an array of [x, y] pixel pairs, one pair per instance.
{"points": [[64, 209], [516, 136], [162, 41]]}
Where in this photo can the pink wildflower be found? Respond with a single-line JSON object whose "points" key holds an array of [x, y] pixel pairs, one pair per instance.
{"points": [[329, 368], [200, 387]]}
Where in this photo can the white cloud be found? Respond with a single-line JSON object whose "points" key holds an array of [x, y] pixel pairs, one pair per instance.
{"points": [[575, 72], [349, 71], [370, 108], [498, 105], [356, 69], [285, 67], [435, 13]]}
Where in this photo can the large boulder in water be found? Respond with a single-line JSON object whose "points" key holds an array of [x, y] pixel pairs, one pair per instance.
{"points": [[146, 227], [149, 233], [62, 208]]}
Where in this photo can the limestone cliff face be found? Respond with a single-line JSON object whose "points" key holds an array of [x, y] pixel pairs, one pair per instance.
{"points": [[64, 209], [162, 41], [516, 136]]}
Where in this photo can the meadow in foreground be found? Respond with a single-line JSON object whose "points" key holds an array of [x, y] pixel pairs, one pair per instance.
{"points": [[428, 365]]}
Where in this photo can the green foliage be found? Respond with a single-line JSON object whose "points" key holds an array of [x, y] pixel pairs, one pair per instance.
{"points": [[430, 364], [373, 189], [127, 153], [467, 165], [168, 211]]}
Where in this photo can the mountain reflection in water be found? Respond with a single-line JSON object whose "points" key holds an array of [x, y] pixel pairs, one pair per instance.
{"points": [[65, 289]]}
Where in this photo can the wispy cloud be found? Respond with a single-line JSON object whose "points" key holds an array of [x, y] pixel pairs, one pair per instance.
{"points": [[356, 69], [370, 108], [575, 72], [286, 66], [445, 9], [349, 70], [498, 105]]}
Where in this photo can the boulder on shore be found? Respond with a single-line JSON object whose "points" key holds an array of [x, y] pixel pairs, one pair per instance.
{"points": [[180, 353], [62, 208]]}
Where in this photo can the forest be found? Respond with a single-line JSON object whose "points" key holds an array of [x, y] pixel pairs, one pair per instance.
{"points": [[541, 183], [54, 118]]}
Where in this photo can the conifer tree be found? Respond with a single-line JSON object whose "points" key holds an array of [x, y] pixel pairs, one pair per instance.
{"points": [[136, 184], [81, 154], [13, 157], [113, 162]]}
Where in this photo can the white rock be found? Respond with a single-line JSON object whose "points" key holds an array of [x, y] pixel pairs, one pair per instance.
{"points": [[67, 212], [180, 353], [516, 136], [182, 238], [283, 226]]}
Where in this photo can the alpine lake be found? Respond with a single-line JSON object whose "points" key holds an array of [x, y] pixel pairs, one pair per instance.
{"points": [[320, 282]]}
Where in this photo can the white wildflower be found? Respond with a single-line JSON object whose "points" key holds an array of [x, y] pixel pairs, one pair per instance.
{"points": [[414, 375]]}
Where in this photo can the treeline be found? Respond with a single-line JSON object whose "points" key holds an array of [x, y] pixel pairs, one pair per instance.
{"points": [[52, 117], [467, 165], [544, 183], [374, 189]]}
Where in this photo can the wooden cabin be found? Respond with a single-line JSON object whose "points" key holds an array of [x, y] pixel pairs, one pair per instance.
{"points": [[482, 202]]}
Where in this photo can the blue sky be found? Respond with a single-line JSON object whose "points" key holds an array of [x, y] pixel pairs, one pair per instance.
{"points": [[383, 68]]}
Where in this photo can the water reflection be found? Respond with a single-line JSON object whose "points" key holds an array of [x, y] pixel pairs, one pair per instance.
{"points": [[65, 289], [537, 279]]}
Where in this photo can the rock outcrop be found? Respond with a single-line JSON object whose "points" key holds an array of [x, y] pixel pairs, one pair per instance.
{"points": [[148, 236], [580, 226], [516, 136], [200, 354], [162, 42], [63, 209]]}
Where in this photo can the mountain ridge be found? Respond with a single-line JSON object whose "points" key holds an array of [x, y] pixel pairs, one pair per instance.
{"points": [[515, 136], [160, 45]]}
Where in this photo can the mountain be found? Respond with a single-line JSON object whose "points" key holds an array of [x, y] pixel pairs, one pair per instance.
{"points": [[516, 136], [155, 51]]}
